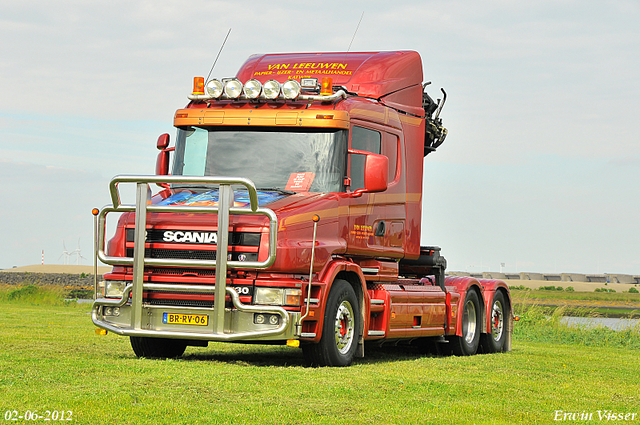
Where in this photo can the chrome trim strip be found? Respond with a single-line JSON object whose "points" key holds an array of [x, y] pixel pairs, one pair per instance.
{"points": [[377, 302], [376, 333], [308, 335]]}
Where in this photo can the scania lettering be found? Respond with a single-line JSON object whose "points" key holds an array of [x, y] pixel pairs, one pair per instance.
{"points": [[289, 211], [190, 237]]}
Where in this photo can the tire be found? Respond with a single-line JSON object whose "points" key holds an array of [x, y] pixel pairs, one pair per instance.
{"points": [[493, 341], [467, 344], [157, 347], [340, 330]]}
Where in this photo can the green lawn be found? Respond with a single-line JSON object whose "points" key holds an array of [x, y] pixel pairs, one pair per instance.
{"points": [[50, 359]]}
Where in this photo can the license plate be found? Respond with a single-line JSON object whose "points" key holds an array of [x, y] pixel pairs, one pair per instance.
{"points": [[185, 319]]}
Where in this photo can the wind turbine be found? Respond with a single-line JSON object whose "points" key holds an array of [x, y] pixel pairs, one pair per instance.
{"points": [[65, 253], [77, 253]]}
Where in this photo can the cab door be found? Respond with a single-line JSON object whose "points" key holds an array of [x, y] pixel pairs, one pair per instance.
{"points": [[376, 220]]}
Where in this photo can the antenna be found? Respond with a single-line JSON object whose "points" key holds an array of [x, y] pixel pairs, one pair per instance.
{"points": [[355, 32], [216, 61]]}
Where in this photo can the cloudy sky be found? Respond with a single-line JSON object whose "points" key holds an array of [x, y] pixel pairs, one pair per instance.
{"points": [[539, 172]]}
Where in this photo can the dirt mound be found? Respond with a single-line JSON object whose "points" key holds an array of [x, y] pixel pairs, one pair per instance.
{"points": [[58, 275], [57, 268]]}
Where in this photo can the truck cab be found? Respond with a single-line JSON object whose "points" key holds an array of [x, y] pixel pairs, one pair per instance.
{"points": [[293, 192]]}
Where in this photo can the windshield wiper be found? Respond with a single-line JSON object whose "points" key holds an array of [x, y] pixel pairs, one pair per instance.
{"points": [[275, 189], [193, 186]]}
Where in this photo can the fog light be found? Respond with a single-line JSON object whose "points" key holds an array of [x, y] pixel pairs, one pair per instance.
{"points": [[291, 89], [273, 320], [271, 89], [252, 89], [233, 89], [214, 88], [116, 311], [108, 311], [309, 83], [259, 319]]}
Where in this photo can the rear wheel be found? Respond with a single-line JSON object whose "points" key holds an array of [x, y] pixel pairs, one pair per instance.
{"points": [[157, 347], [338, 342], [467, 344], [494, 341]]}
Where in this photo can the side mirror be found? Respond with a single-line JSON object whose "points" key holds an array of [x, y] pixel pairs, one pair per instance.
{"points": [[376, 174], [162, 163], [163, 141]]}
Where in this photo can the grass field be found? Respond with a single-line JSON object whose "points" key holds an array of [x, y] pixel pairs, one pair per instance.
{"points": [[52, 360], [604, 304]]}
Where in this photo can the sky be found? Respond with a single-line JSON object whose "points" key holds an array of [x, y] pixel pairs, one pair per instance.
{"points": [[539, 172]]}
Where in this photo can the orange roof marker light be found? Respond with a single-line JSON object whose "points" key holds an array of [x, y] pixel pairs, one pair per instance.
{"points": [[326, 87], [198, 85]]}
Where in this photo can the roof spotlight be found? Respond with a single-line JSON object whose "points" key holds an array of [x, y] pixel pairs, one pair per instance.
{"points": [[233, 89], [214, 88], [252, 89], [291, 89], [271, 89]]}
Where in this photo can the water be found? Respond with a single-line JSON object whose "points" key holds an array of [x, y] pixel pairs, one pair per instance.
{"points": [[612, 323], [80, 300]]}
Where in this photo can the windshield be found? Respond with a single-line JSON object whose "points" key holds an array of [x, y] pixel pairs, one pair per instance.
{"points": [[295, 160]]}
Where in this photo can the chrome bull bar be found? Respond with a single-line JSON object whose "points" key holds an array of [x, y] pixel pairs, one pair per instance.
{"points": [[221, 263]]}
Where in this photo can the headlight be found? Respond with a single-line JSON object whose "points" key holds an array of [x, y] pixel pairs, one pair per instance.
{"points": [[269, 296], [291, 89], [252, 89], [271, 89], [278, 296], [214, 88], [114, 288], [233, 89]]}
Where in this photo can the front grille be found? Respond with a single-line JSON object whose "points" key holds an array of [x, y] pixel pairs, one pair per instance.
{"points": [[191, 254], [181, 271], [184, 254], [181, 299], [182, 303]]}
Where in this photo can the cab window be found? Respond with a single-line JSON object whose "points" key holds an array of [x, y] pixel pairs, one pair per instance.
{"points": [[362, 139]]}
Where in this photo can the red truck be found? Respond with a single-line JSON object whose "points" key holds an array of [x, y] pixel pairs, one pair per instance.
{"points": [[295, 195]]}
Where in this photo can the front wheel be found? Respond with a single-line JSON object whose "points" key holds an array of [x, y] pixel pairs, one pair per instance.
{"points": [[157, 347], [339, 339], [467, 344]]}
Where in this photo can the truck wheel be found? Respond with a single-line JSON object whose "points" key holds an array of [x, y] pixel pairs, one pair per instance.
{"points": [[338, 342], [157, 347], [494, 341], [467, 344]]}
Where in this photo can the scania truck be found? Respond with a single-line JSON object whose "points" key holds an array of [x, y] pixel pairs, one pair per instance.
{"points": [[289, 211]]}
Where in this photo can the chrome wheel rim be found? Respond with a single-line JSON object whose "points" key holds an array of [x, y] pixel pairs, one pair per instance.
{"points": [[344, 327], [469, 322], [497, 321]]}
